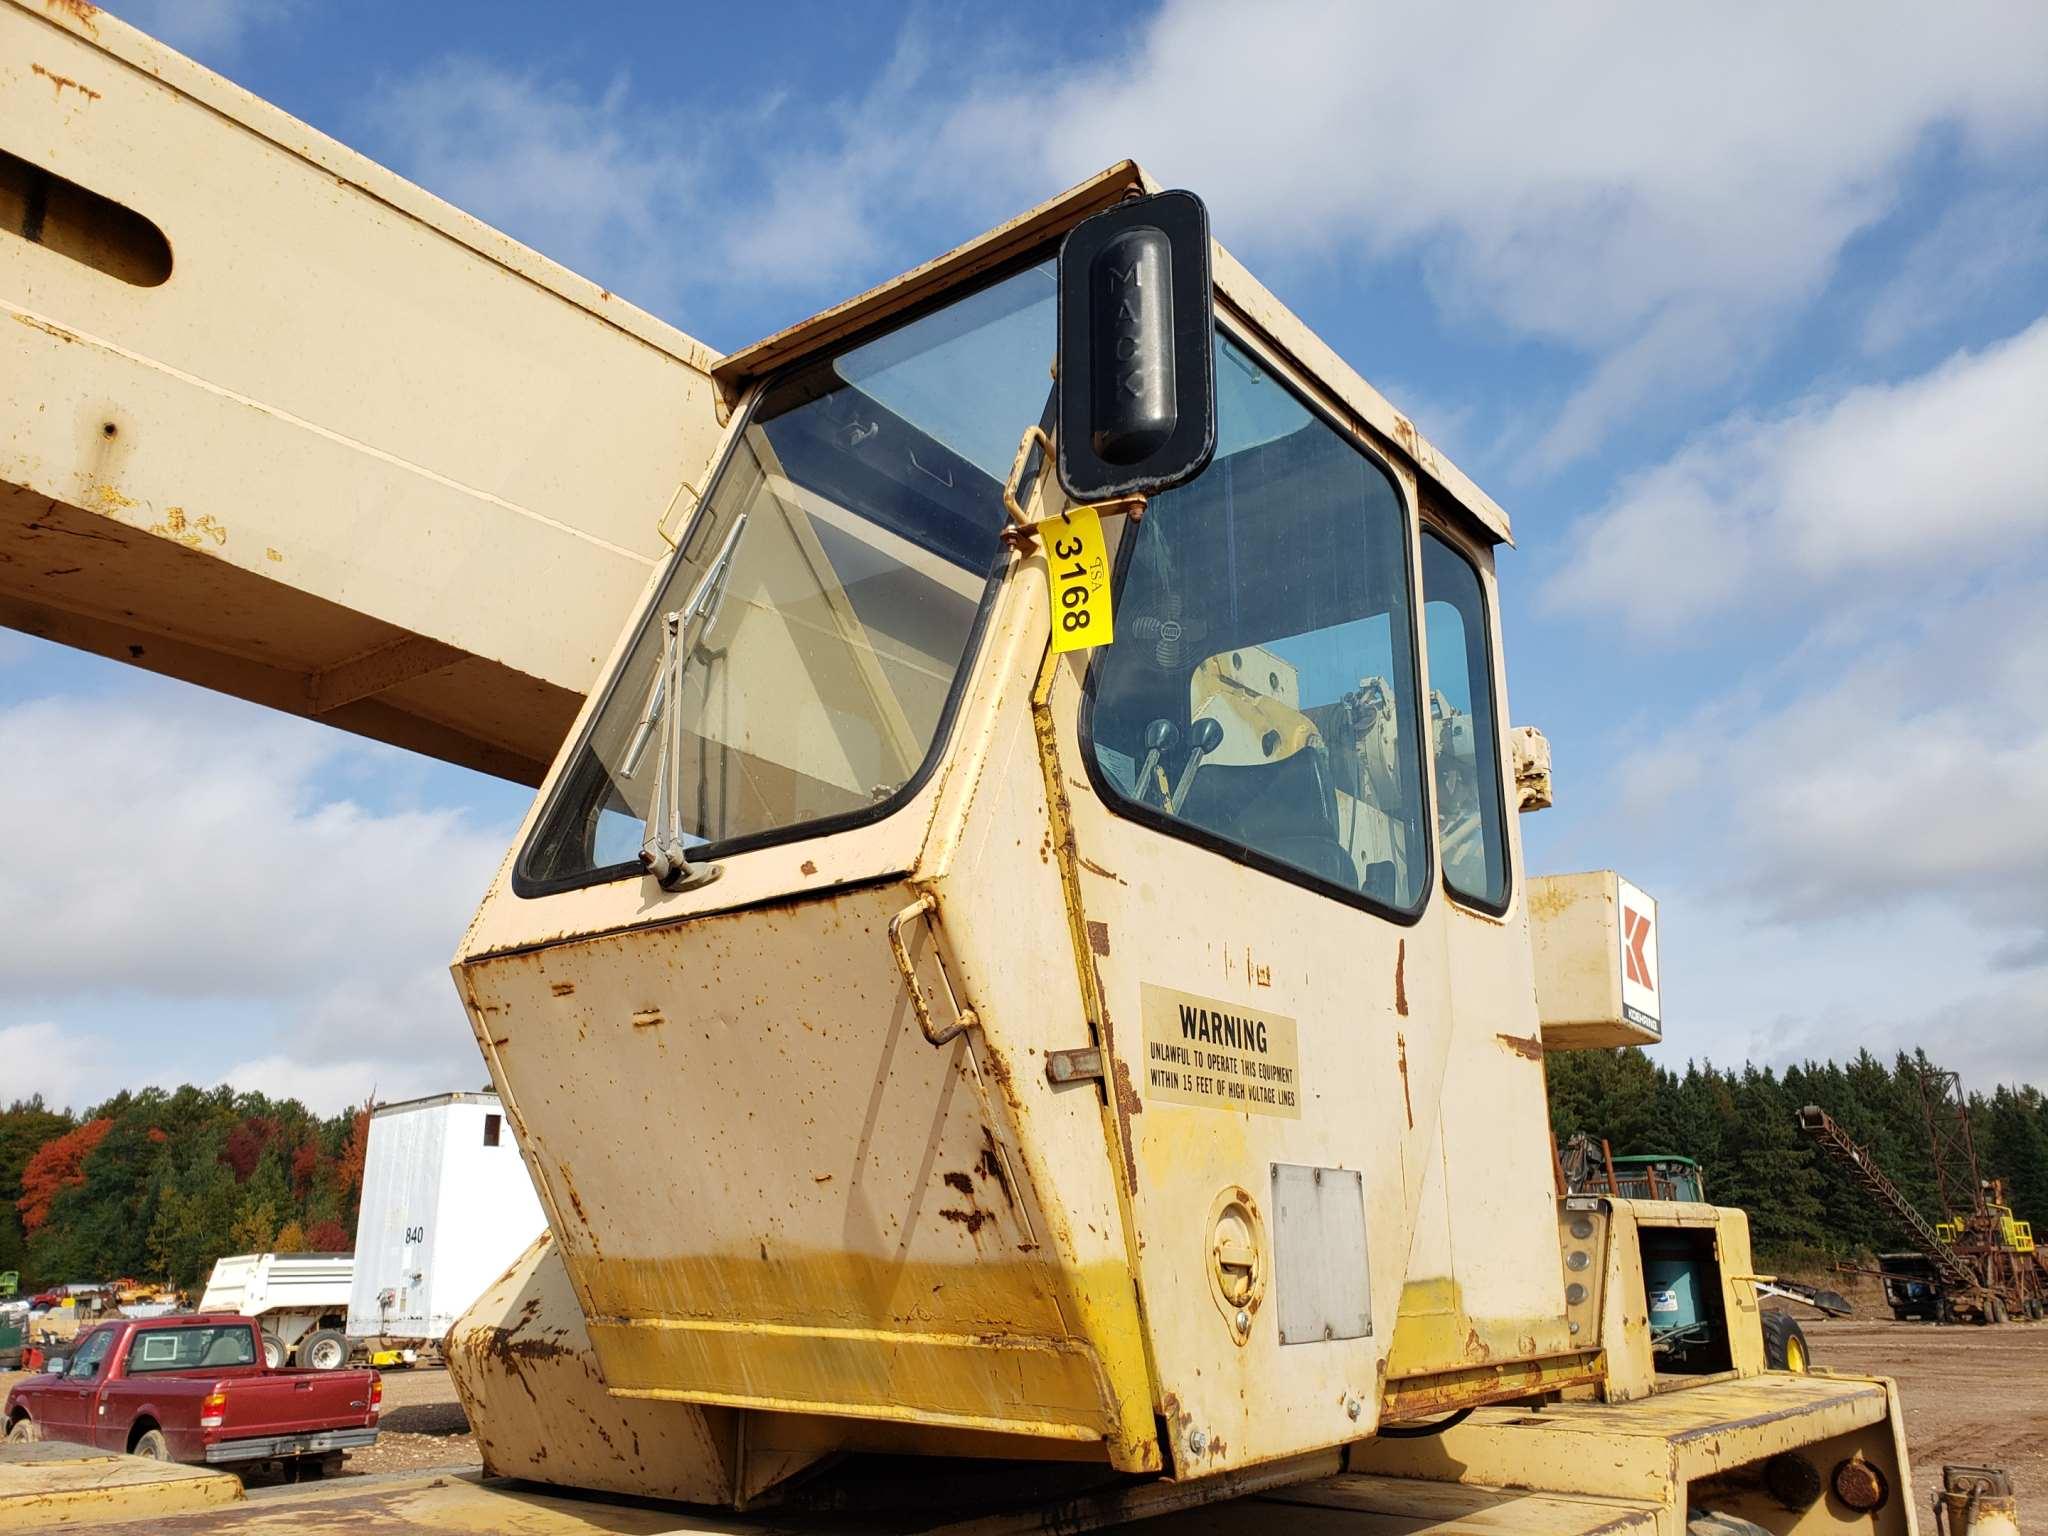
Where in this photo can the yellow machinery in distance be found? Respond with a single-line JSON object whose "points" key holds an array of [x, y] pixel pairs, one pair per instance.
{"points": [[1113, 1076]]}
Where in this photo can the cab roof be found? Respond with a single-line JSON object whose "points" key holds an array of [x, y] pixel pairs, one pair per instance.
{"points": [[1363, 409]]}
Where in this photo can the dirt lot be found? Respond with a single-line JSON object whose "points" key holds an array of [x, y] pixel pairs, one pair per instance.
{"points": [[1971, 1395], [423, 1426], [1977, 1395]]}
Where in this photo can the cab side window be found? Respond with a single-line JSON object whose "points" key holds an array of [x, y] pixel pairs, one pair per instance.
{"points": [[1464, 735], [1260, 694], [85, 1365]]}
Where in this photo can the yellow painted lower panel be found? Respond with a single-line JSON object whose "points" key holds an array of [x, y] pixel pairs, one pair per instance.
{"points": [[1043, 1387]]}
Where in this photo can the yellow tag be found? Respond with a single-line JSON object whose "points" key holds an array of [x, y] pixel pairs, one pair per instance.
{"points": [[1078, 563]]}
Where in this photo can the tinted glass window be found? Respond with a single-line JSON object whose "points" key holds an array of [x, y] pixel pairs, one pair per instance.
{"points": [[826, 596], [191, 1349], [1261, 689], [86, 1363], [1463, 732]]}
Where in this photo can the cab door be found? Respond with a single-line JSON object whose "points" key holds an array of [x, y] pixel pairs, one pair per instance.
{"points": [[1252, 853], [70, 1414]]}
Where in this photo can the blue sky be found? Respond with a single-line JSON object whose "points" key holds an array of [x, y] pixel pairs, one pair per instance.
{"points": [[1742, 313]]}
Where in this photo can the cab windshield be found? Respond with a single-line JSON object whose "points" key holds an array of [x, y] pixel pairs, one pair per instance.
{"points": [[828, 595]]}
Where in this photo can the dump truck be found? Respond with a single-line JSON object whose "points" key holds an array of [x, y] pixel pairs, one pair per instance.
{"points": [[1019, 991]]}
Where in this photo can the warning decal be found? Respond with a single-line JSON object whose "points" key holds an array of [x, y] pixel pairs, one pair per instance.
{"points": [[1219, 1055]]}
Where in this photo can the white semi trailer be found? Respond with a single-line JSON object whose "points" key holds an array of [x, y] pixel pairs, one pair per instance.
{"points": [[447, 1206]]}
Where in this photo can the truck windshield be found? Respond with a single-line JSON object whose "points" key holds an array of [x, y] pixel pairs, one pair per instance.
{"points": [[829, 590], [191, 1349]]}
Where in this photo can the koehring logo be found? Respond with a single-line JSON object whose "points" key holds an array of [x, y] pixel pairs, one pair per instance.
{"points": [[1218, 1055], [1641, 1003]]}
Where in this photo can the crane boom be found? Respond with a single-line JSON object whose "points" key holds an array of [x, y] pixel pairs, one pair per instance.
{"points": [[276, 421]]}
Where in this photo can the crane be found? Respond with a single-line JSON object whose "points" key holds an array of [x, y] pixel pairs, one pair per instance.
{"points": [[1105, 1071]]}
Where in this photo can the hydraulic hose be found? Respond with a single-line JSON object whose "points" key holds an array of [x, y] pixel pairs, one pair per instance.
{"points": [[1424, 1431]]}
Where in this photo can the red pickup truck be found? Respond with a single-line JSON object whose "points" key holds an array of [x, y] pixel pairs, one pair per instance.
{"points": [[195, 1389]]}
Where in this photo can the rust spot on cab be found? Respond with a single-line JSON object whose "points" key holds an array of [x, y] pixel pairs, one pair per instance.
{"points": [[1401, 981], [990, 1166], [961, 1182], [1407, 1103], [973, 1220], [808, 867], [1098, 937], [1094, 868], [1528, 1047], [562, 988]]}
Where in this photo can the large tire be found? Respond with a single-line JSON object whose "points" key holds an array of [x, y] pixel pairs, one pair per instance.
{"points": [[324, 1349], [24, 1429], [152, 1444], [1785, 1347], [1703, 1522], [273, 1351]]}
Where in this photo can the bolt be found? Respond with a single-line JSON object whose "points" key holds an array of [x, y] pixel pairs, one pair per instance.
{"points": [[1244, 1321], [1354, 1408], [1198, 1441]]}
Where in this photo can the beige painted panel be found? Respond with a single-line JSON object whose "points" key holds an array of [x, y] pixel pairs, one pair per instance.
{"points": [[378, 417]]}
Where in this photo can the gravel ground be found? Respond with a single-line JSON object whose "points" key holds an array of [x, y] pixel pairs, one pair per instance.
{"points": [[1975, 1395]]}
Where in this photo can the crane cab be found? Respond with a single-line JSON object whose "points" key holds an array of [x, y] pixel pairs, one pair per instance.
{"points": [[1035, 1049]]}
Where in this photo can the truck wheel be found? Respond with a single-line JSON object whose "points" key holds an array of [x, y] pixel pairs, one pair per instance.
{"points": [[151, 1443], [327, 1464], [1705, 1522], [24, 1428], [1785, 1347], [273, 1351], [324, 1350]]}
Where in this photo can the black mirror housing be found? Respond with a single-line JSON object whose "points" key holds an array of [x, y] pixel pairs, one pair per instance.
{"points": [[1136, 409]]}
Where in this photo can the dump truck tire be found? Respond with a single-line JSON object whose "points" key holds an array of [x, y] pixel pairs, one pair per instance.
{"points": [[273, 1351], [1785, 1347], [324, 1350]]}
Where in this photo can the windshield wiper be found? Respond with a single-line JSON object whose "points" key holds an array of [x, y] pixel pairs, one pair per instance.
{"points": [[662, 852]]}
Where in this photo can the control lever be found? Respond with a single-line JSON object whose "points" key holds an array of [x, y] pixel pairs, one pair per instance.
{"points": [[1160, 736], [1204, 736]]}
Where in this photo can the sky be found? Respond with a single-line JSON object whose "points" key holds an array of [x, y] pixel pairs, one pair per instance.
{"points": [[1741, 311]]}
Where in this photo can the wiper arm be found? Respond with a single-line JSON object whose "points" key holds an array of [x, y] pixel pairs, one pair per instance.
{"points": [[662, 852], [705, 599]]}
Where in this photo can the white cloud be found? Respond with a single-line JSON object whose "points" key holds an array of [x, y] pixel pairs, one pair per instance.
{"points": [[1946, 472], [1652, 186], [62, 1065], [603, 184], [213, 30], [1852, 844], [1975, 248], [190, 861]]}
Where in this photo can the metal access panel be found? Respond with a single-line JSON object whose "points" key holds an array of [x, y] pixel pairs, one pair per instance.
{"points": [[1322, 1289]]}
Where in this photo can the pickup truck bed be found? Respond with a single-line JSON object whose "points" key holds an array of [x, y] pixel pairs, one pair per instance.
{"points": [[194, 1389]]}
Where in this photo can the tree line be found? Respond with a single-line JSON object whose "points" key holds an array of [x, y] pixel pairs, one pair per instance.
{"points": [[1740, 1126], [155, 1185]]}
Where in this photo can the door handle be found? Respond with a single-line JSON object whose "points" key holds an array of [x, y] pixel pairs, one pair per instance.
{"points": [[963, 1018]]}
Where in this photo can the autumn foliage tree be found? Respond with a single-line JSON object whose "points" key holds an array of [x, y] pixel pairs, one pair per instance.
{"points": [[158, 1185], [56, 1166]]}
